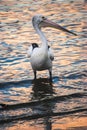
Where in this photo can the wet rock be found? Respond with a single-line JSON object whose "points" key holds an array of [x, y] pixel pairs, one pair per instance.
{"points": [[3, 106]]}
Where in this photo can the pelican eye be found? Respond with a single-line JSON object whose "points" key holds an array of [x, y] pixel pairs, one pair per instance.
{"points": [[43, 18]]}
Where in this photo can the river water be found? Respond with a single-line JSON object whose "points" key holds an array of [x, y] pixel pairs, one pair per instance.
{"points": [[40, 104]]}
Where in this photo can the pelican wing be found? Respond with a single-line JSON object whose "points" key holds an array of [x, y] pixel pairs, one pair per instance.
{"points": [[29, 52], [50, 53]]}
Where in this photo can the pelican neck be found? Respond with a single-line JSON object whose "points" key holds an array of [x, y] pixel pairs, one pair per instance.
{"points": [[42, 37]]}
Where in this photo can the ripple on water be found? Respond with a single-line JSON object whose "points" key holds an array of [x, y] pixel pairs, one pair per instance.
{"points": [[58, 105]]}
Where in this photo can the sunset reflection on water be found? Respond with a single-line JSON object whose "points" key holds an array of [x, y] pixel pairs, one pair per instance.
{"points": [[67, 123], [69, 66]]}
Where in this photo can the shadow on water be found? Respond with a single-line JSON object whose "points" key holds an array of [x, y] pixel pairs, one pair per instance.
{"points": [[42, 103], [41, 89], [43, 92]]}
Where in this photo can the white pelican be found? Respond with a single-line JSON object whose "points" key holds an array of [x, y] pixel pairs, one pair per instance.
{"points": [[41, 57]]}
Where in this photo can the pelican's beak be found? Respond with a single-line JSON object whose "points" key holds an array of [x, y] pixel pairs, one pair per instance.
{"points": [[49, 23]]}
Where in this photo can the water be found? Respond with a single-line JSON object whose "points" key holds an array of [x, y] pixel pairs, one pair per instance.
{"points": [[40, 104]]}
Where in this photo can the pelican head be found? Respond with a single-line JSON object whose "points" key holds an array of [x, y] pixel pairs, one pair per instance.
{"points": [[39, 21]]}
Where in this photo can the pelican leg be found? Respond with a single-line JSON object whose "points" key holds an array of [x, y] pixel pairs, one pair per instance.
{"points": [[50, 74], [34, 74]]}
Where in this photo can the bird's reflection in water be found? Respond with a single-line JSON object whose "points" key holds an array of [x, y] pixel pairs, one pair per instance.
{"points": [[42, 89]]}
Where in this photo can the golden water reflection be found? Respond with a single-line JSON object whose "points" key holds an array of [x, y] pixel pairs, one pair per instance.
{"points": [[17, 30], [59, 124]]}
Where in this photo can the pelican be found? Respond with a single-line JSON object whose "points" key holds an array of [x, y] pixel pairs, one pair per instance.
{"points": [[41, 57]]}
